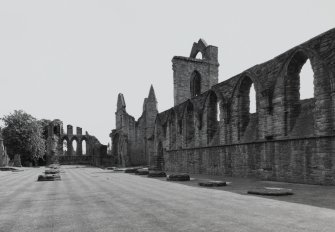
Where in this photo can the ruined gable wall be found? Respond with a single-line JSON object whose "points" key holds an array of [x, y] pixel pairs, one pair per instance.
{"points": [[185, 67]]}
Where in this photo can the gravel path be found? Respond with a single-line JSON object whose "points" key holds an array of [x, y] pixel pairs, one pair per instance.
{"points": [[92, 199]]}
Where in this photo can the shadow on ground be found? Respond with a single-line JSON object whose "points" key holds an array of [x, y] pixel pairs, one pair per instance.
{"points": [[314, 195]]}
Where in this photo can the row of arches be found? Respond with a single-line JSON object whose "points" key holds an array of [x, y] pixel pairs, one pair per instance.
{"points": [[297, 87], [300, 66], [74, 147]]}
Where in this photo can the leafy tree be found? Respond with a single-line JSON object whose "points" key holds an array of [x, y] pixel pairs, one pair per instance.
{"points": [[45, 124], [45, 127], [23, 134]]}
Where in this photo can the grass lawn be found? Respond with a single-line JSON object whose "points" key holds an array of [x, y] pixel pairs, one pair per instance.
{"points": [[92, 199]]}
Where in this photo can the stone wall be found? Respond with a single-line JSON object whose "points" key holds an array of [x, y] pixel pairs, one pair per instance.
{"points": [[57, 154], [185, 68], [287, 138], [305, 160], [132, 141], [73, 160]]}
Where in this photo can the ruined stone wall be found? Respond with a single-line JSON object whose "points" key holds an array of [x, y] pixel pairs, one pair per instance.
{"points": [[286, 139], [186, 68], [4, 158], [56, 136], [132, 141], [305, 160]]}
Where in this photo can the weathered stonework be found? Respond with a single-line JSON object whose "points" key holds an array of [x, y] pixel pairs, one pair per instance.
{"points": [[210, 129], [95, 151], [4, 158], [132, 141]]}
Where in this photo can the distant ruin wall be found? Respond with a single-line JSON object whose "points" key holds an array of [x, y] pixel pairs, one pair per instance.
{"points": [[73, 160], [60, 146]]}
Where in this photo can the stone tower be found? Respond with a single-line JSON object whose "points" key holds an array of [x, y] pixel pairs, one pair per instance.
{"points": [[193, 76], [120, 111], [151, 111]]}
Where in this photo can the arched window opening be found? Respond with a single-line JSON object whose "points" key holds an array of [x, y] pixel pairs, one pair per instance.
{"points": [[83, 145], [299, 90], [252, 97], [247, 104], [189, 121], [65, 147], [74, 147], [195, 84], [306, 81], [172, 130], [199, 56], [212, 112]]}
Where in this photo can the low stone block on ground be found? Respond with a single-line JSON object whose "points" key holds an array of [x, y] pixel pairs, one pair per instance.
{"points": [[142, 171], [49, 177], [178, 177], [156, 174], [212, 183], [271, 191], [52, 171]]}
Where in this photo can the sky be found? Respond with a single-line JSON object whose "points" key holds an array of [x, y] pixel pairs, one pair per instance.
{"points": [[69, 59]]}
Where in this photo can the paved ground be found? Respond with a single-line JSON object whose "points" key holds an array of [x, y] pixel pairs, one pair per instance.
{"points": [[91, 199]]}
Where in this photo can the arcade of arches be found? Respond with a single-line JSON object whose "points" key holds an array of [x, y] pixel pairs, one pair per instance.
{"points": [[258, 123], [70, 148]]}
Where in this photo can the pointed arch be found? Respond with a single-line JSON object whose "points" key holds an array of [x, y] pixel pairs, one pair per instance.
{"points": [[199, 47], [292, 91], [172, 129], [74, 144], [210, 110], [189, 125], [84, 146], [65, 146], [246, 82], [195, 84]]}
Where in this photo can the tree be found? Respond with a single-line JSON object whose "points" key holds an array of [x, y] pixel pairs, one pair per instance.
{"points": [[45, 125], [23, 134]]}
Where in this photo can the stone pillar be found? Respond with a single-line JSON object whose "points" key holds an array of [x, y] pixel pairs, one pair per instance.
{"points": [[70, 149], [69, 130], [79, 147], [323, 102], [2, 153], [79, 131]]}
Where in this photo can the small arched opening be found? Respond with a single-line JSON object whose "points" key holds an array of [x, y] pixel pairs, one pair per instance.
{"points": [[84, 147], [65, 147], [74, 147], [199, 56], [195, 84]]}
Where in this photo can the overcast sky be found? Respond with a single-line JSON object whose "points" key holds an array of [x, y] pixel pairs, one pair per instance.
{"points": [[69, 59]]}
